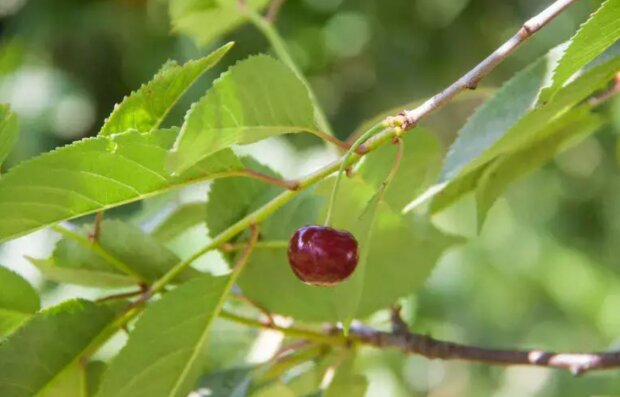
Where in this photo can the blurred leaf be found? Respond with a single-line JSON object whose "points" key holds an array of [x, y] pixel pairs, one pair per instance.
{"points": [[94, 374], [8, 131], [419, 167], [563, 132], [205, 20], [18, 301], [352, 290], [123, 255], [493, 130], [599, 32], [233, 382], [183, 218], [165, 352], [276, 389], [402, 254], [36, 356], [494, 119], [86, 273], [346, 382], [145, 109], [231, 199], [256, 98], [92, 175]]}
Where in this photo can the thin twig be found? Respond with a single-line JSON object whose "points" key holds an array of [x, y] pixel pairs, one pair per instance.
{"points": [[285, 183], [409, 118], [250, 302], [94, 236], [245, 254], [274, 9], [123, 295]]}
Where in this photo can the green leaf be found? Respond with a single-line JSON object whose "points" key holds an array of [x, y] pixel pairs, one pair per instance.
{"points": [[89, 276], [70, 383], [123, 255], [16, 293], [276, 389], [494, 130], [95, 174], [598, 33], [231, 199], [8, 131], [494, 119], [557, 136], [419, 167], [18, 301], [181, 219], [166, 350], [401, 255], [346, 381], [255, 99], [233, 382], [145, 109], [36, 356], [205, 20]]}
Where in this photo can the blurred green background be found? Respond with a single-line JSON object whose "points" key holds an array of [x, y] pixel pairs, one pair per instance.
{"points": [[543, 273]]}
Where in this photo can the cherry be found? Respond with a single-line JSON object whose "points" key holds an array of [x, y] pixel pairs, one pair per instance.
{"points": [[322, 256]]}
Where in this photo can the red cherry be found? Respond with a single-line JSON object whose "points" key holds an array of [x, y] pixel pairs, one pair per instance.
{"points": [[320, 255]]}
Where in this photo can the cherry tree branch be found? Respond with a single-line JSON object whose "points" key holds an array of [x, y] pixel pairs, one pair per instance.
{"points": [[409, 118], [412, 343]]}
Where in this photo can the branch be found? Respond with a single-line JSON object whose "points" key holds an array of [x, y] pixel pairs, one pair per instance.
{"points": [[412, 343], [409, 118]]}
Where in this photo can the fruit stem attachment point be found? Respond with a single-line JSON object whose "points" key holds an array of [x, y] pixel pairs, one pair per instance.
{"points": [[344, 163]]}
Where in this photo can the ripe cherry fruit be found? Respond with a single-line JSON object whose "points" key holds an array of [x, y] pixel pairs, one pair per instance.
{"points": [[322, 256]]}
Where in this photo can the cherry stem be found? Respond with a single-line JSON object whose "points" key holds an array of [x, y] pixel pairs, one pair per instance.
{"points": [[396, 166], [376, 129], [97, 227]]}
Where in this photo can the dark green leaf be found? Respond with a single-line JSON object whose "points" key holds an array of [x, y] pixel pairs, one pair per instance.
{"points": [[231, 199], [37, 355], [557, 136], [165, 352], [488, 135]]}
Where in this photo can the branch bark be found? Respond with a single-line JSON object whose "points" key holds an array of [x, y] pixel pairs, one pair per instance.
{"points": [[412, 343], [409, 118]]}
